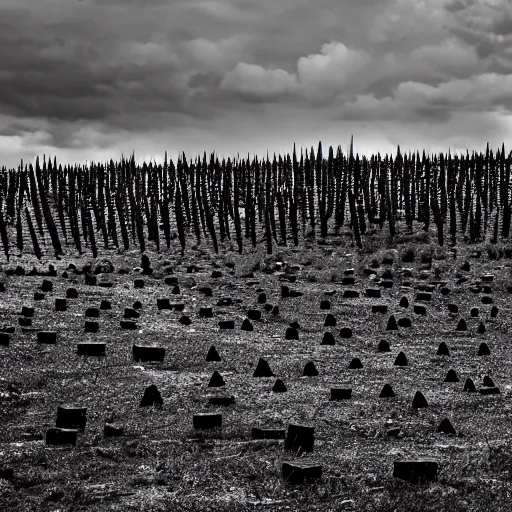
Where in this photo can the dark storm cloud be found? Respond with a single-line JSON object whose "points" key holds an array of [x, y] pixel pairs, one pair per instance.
{"points": [[88, 73]]}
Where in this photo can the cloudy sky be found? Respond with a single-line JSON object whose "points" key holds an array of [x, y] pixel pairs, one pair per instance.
{"points": [[92, 79]]}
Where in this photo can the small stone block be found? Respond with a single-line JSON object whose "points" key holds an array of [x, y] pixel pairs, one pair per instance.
{"points": [[221, 400], [47, 337], [415, 471], [300, 472], [60, 305], [128, 324], [61, 436], [71, 417], [71, 293], [163, 304], [112, 430], [105, 304], [91, 326], [28, 312], [490, 391], [268, 433], [206, 312], [91, 348], [341, 393], [148, 353], [204, 421]]}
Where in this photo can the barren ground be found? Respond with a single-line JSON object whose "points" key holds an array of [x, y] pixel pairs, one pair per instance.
{"points": [[162, 463]]}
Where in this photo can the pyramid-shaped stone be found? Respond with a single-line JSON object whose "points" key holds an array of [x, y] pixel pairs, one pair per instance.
{"points": [[310, 370], [483, 349], [462, 326], [151, 397], [451, 376], [442, 350], [328, 339], [247, 326], [212, 355], [392, 325], [404, 302], [488, 382], [262, 369], [355, 364], [279, 386], [330, 320], [401, 359], [469, 385], [481, 328], [446, 427], [387, 391], [384, 346], [419, 401], [494, 311], [216, 380]]}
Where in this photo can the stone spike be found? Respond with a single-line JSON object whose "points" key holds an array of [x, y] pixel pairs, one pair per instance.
{"points": [[488, 382], [451, 376], [216, 380], [212, 355], [462, 326], [246, 325], [383, 346], [262, 369], [279, 387], [328, 339], [330, 320], [392, 325], [446, 427], [401, 359], [387, 391], [442, 349], [484, 350], [310, 370], [355, 364], [419, 401], [151, 397], [469, 385]]}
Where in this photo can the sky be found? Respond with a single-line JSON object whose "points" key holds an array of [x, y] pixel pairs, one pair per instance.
{"points": [[91, 80]]}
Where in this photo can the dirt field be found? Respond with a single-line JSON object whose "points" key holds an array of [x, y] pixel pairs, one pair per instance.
{"points": [[162, 463]]}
